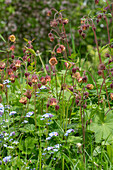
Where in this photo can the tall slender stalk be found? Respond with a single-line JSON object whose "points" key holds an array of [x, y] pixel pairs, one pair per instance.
{"points": [[100, 63], [83, 131]]}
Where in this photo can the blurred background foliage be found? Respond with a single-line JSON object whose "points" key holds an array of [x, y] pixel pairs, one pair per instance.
{"points": [[28, 19]]}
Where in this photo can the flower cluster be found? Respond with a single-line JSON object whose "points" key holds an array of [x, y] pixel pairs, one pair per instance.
{"points": [[52, 148], [12, 113], [69, 131], [47, 115], [51, 135], [29, 114], [7, 159], [1, 109]]}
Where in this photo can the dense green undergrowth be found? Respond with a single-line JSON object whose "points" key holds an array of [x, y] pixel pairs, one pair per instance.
{"points": [[59, 115]]}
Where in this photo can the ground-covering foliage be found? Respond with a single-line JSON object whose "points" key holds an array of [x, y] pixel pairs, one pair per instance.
{"points": [[59, 115]]}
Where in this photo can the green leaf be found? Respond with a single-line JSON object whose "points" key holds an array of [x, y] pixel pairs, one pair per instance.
{"points": [[26, 39], [73, 56], [103, 128], [2, 38], [1, 51], [29, 143], [31, 51], [110, 152], [74, 139], [97, 151]]}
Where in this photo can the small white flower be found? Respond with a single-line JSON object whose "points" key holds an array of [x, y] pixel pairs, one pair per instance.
{"points": [[79, 145]]}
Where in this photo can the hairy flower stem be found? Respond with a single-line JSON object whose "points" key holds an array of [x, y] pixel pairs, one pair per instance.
{"points": [[35, 106], [106, 90], [83, 131], [108, 111], [56, 85], [71, 110], [109, 8], [95, 84], [66, 39], [42, 63], [107, 29], [97, 44], [100, 63], [62, 163]]}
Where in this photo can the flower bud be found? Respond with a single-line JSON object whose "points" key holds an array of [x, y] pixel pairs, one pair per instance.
{"points": [[89, 86], [56, 107], [111, 96]]}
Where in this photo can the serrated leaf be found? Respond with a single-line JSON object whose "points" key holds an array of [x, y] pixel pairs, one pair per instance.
{"points": [[103, 128]]}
